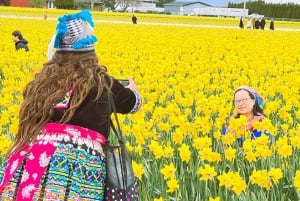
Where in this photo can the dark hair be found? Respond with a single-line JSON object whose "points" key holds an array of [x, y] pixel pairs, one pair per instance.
{"points": [[17, 33], [256, 109]]}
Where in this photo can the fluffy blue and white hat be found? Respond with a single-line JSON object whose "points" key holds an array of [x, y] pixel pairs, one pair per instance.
{"points": [[74, 32]]}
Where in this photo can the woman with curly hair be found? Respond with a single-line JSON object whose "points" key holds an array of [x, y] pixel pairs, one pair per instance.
{"points": [[57, 153]]}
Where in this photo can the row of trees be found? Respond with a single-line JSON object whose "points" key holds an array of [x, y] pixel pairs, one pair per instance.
{"points": [[289, 10]]}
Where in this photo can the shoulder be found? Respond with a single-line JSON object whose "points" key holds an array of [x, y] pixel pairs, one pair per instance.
{"points": [[21, 44]]}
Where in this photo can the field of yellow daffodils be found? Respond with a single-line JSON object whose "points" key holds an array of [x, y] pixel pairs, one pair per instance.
{"points": [[186, 76]]}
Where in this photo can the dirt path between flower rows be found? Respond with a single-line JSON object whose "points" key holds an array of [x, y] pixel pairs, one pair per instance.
{"points": [[148, 23]]}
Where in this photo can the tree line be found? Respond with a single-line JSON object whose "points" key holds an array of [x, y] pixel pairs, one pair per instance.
{"points": [[289, 10]]}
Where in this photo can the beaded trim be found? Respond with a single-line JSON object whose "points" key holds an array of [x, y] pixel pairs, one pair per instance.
{"points": [[138, 102], [55, 138], [65, 101], [72, 136]]}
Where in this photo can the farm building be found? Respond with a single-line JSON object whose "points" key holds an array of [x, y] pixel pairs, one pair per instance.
{"points": [[184, 7], [224, 12]]}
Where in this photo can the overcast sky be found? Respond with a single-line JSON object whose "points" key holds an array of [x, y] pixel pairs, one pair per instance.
{"points": [[223, 3]]}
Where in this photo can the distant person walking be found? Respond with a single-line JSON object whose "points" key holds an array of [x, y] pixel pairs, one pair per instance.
{"points": [[253, 23], [241, 25], [249, 23], [46, 14], [272, 25], [262, 23], [20, 42], [257, 24], [134, 19]]}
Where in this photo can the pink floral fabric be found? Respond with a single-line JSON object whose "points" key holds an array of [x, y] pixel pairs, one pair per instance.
{"points": [[39, 153]]}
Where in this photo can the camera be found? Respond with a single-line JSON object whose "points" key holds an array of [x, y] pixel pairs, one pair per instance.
{"points": [[124, 82]]}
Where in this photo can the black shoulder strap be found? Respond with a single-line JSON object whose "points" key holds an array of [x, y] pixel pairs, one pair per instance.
{"points": [[117, 131]]}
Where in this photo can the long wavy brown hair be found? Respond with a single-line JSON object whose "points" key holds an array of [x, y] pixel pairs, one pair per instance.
{"points": [[50, 85]]}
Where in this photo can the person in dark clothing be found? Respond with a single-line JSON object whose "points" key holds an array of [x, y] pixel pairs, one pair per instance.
{"points": [[134, 19], [58, 152], [257, 24], [272, 25], [262, 23], [20, 42], [241, 25]]}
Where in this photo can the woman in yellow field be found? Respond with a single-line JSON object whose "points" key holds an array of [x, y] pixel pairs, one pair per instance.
{"points": [[64, 123], [248, 105]]}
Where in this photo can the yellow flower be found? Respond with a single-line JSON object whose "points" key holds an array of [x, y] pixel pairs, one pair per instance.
{"points": [[158, 199], [163, 126], [232, 181], [295, 141], [217, 135], [283, 113], [209, 155], [214, 199], [139, 138], [239, 185], [138, 170], [293, 132], [202, 142], [263, 152], [230, 154], [172, 185], [168, 151], [297, 180], [275, 174], [285, 150], [185, 153], [156, 149], [268, 126], [5, 144], [129, 147], [261, 178], [262, 141], [250, 156], [247, 145], [207, 173], [285, 127], [258, 125], [297, 114], [139, 150], [177, 137], [168, 171], [228, 139]]}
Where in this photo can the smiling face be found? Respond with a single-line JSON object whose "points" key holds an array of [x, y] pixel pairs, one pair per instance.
{"points": [[244, 103]]}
